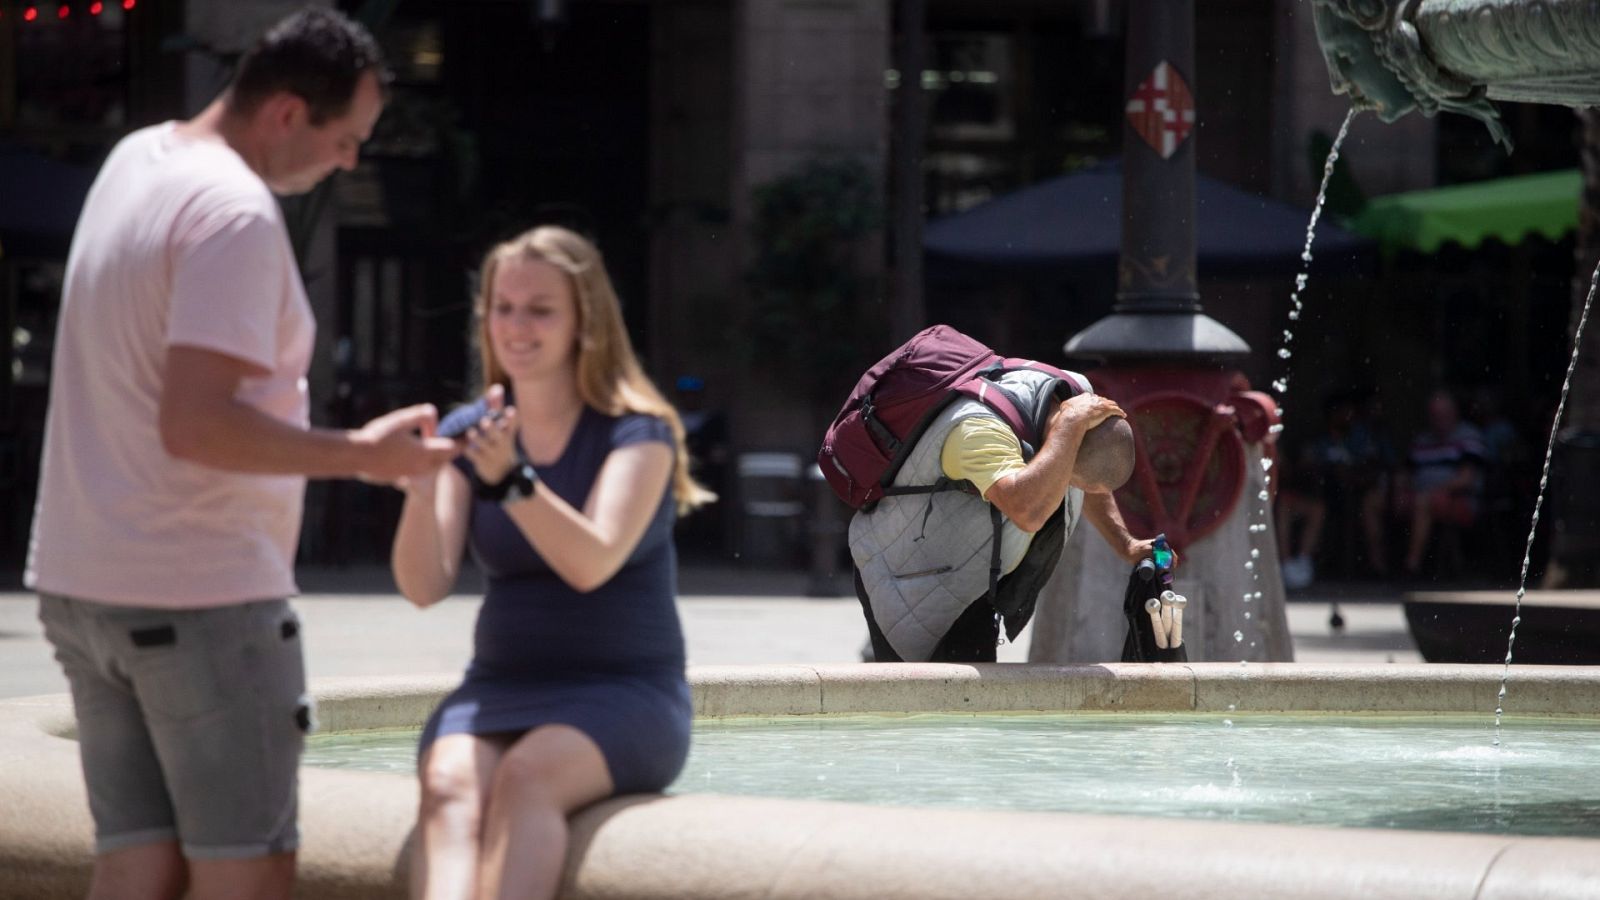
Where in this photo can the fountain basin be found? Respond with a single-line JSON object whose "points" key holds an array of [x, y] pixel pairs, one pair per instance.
{"points": [[356, 825], [1417, 772], [1557, 628]]}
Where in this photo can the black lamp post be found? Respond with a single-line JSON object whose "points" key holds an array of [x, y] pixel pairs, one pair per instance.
{"points": [[1202, 432], [1158, 315]]}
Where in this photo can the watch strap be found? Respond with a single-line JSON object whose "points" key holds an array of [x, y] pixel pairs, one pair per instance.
{"points": [[519, 484], [496, 492]]}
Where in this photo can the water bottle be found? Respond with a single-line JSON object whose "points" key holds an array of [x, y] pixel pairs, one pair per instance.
{"points": [[1163, 558]]}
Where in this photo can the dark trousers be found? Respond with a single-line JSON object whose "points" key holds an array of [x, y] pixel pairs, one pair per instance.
{"points": [[972, 637]]}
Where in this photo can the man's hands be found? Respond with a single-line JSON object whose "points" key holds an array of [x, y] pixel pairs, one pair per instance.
{"points": [[1083, 412], [1135, 550], [1100, 508], [401, 446]]}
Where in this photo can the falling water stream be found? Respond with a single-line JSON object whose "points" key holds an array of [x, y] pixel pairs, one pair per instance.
{"points": [[1538, 502], [1281, 387], [1281, 384]]}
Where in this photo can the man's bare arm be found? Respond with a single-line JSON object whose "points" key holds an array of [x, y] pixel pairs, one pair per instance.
{"points": [[1027, 497], [1101, 509], [201, 421]]}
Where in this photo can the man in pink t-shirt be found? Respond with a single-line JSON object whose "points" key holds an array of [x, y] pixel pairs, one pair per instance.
{"points": [[176, 453]]}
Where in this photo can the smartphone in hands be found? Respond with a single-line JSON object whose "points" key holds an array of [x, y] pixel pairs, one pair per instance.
{"points": [[458, 430]]}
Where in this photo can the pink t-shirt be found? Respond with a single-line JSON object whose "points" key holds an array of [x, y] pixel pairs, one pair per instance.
{"points": [[179, 243]]}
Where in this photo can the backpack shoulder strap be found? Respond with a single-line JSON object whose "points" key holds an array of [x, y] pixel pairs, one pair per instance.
{"points": [[985, 388], [1016, 411]]}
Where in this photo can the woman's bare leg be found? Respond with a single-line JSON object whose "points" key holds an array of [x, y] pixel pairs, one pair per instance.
{"points": [[455, 773], [546, 775]]}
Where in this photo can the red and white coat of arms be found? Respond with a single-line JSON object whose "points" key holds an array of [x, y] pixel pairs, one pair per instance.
{"points": [[1161, 110]]}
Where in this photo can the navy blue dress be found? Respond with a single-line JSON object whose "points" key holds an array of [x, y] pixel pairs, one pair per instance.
{"points": [[609, 663]]}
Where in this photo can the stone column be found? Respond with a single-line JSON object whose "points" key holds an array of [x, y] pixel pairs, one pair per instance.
{"points": [[1080, 617]]}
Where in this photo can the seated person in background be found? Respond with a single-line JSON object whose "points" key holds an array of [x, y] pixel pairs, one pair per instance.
{"points": [[924, 589], [1510, 474], [1342, 472], [1502, 441], [1300, 506], [1444, 481]]}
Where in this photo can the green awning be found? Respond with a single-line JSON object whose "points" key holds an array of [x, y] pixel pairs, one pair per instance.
{"points": [[1509, 209]]}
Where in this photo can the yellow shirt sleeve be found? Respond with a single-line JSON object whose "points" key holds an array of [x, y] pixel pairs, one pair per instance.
{"points": [[982, 450]]}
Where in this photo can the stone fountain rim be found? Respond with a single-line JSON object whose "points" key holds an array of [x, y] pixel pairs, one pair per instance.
{"points": [[850, 689], [356, 825]]}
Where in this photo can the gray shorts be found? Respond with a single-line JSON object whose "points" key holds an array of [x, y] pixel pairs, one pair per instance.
{"points": [[190, 722]]}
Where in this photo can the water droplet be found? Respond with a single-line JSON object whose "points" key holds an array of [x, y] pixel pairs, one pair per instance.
{"points": [[1231, 708], [1263, 496], [1283, 353], [1249, 566], [1255, 553], [1258, 595], [1238, 636], [1266, 465], [1228, 723], [1276, 428], [1294, 315], [1243, 663], [1247, 616], [1280, 385], [1288, 336]]}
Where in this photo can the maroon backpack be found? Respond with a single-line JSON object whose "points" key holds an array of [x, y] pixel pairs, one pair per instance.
{"points": [[895, 401]]}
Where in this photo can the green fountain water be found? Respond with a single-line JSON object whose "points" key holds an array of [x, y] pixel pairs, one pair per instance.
{"points": [[1409, 772]]}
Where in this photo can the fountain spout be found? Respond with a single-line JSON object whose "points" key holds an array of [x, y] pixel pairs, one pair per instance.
{"points": [[1393, 56]]}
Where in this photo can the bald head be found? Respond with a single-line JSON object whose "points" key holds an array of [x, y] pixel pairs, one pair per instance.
{"points": [[1105, 458]]}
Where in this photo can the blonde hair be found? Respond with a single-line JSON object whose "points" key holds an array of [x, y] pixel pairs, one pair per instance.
{"points": [[609, 376]]}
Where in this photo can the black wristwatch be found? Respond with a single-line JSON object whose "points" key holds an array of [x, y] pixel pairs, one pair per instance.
{"points": [[517, 485]]}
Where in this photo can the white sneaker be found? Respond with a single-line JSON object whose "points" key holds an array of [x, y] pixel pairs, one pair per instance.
{"points": [[1297, 572]]}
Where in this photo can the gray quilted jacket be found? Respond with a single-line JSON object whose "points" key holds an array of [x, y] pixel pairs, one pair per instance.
{"points": [[924, 558]]}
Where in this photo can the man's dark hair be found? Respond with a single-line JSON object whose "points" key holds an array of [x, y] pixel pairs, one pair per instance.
{"points": [[317, 54], [1105, 457]]}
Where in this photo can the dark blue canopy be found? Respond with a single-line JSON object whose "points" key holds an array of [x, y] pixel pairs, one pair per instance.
{"points": [[40, 199], [1077, 220]]}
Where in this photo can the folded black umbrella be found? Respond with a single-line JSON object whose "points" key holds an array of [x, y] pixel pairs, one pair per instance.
{"points": [[1144, 583]]}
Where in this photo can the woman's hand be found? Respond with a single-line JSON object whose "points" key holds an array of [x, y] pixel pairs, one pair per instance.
{"points": [[491, 444]]}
